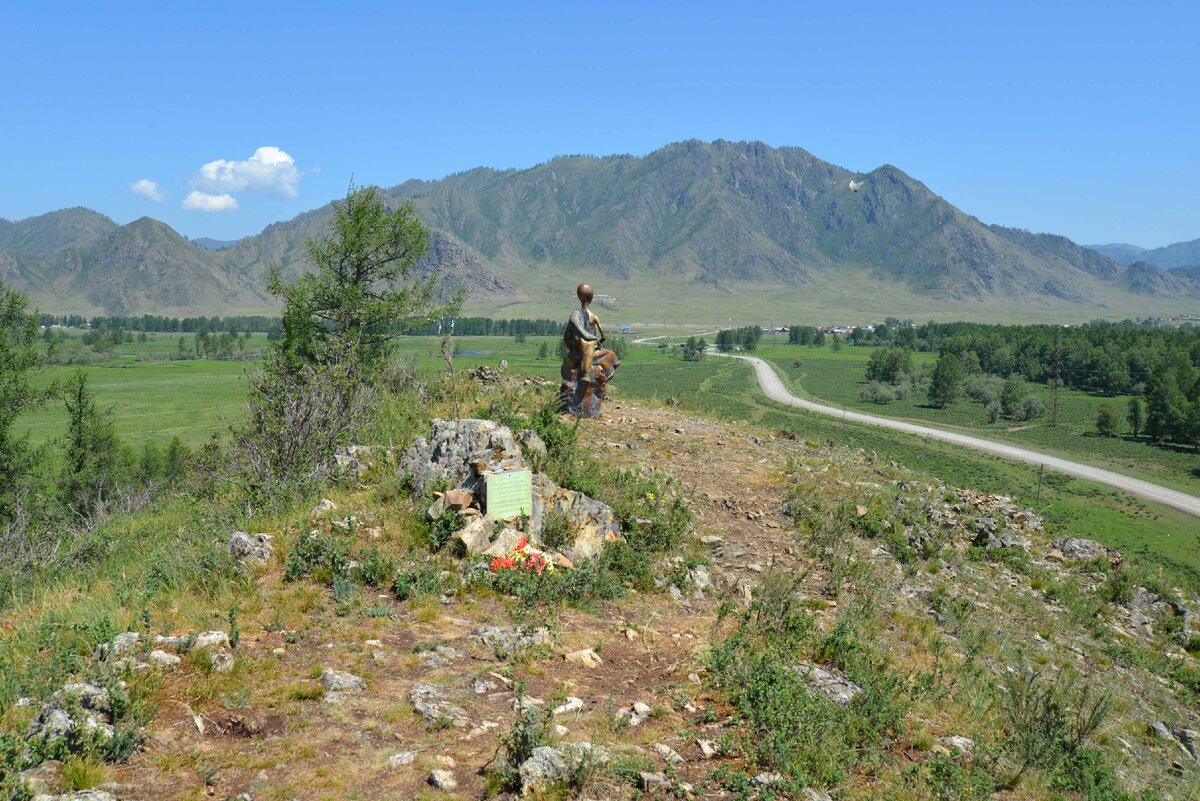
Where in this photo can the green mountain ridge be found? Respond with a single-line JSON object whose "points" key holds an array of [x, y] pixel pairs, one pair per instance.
{"points": [[694, 230]]}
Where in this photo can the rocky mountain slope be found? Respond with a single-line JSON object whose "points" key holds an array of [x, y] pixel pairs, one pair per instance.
{"points": [[736, 221]]}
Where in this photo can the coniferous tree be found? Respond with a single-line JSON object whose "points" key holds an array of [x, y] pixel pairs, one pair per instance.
{"points": [[19, 357], [946, 381]]}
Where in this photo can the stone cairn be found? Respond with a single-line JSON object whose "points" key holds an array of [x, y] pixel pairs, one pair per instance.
{"points": [[458, 453]]}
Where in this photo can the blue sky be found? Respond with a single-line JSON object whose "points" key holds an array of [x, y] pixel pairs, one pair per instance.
{"points": [[1081, 119]]}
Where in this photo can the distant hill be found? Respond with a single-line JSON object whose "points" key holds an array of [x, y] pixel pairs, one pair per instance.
{"points": [[694, 231], [1180, 254], [214, 244]]}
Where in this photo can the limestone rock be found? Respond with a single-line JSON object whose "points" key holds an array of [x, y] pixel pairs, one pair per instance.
{"points": [[80, 795], [442, 780], [709, 748], [1187, 740], [251, 549], [505, 640], [571, 704], [163, 660], [323, 506], [591, 524], [125, 643], [532, 444], [1078, 549], [586, 657], [338, 684], [812, 794], [650, 781], [766, 779], [457, 453], [431, 703], [832, 685], [401, 759], [544, 766], [90, 696], [956, 744], [668, 753]]}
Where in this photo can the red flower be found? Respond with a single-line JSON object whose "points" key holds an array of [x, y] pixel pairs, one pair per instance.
{"points": [[521, 543]]}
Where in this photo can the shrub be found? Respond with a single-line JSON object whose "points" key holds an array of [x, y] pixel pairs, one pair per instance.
{"points": [[319, 556], [425, 581], [375, 569]]}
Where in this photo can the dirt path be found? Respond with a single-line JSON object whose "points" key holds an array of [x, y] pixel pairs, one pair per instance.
{"points": [[773, 387]]}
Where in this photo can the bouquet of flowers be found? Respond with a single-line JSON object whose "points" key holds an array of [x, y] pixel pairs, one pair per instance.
{"points": [[523, 557]]}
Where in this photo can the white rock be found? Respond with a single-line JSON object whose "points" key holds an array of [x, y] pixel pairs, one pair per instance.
{"points": [[163, 660], [586, 657], [572, 704], [442, 779], [401, 759], [668, 753]]}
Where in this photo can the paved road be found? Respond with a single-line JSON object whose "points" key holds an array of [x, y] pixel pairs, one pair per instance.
{"points": [[774, 389]]}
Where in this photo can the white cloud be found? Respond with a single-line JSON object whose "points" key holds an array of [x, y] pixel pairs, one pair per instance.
{"points": [[148, 189], [270, 171], [202, 201]]}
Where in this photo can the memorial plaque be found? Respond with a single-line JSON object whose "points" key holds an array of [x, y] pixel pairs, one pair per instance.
{"points": [[508, 493]]}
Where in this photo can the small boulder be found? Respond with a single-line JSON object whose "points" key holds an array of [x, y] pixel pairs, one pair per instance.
{"points": [[338, 684], [832, 685], [210, 641], [544, 766], [442, 780], [956, 744], [250, 549], [323, 506], [650, 781], [401, 759], [668, 753], [586, 657], [163, 660], [532, 445], [506, 640], [431, 703]]}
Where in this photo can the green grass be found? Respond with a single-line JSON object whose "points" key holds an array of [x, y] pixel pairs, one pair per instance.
{"points": [[837, 378]]}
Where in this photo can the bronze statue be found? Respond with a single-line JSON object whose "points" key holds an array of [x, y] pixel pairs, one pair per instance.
{"points": [[587, 367]]}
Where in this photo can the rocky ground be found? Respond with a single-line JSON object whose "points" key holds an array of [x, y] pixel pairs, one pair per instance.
{"points": [[333, 695]]}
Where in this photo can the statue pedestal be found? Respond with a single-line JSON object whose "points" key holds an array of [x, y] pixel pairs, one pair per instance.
{"points": [[583, 398]]}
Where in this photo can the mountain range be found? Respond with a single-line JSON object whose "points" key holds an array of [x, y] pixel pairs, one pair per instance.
{"points": [[1181, 255], [694, 231]]}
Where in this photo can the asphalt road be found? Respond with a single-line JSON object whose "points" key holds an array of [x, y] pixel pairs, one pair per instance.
{"points": [[774, 389]]}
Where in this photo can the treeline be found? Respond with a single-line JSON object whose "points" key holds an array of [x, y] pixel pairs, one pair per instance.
{"points": [[487, 327], [1114, 359], [167, 325], [745, 338]]}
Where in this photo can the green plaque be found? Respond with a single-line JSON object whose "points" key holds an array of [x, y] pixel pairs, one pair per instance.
{"points": [[509, 493]]}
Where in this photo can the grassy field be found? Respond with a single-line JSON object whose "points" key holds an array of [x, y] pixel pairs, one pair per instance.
{"points": [[837, 378], [159, 399]]}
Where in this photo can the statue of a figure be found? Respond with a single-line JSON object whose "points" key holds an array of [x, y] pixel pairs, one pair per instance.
{"points": [[587, 367]]}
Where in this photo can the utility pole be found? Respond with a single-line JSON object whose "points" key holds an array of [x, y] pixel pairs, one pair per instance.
{"points": [[1057, 381], [1041, 470]]}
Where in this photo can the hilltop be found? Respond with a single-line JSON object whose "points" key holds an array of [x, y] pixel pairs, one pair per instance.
{"points": [[693, 231], [805, 617]]}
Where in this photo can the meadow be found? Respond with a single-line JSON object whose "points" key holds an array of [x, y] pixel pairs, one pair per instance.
{"points": [[155, 400], [838, 377]]}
